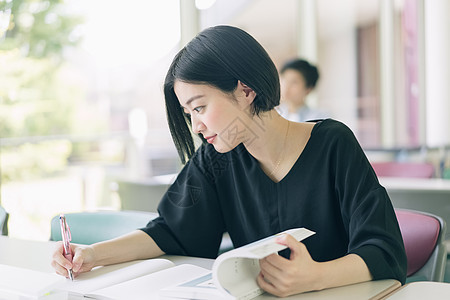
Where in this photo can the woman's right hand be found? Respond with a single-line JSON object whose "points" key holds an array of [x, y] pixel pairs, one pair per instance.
{"points": [[83, 259]]}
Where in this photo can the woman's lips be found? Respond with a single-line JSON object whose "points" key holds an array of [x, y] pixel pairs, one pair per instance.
{"points": [[210, 139]]}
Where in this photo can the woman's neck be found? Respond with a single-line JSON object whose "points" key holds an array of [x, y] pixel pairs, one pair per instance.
{"points": [[270, 130], [278, 143]]}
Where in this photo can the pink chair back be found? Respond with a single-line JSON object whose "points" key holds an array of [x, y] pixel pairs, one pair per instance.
{"points": [[398, 169], [420, 234]]}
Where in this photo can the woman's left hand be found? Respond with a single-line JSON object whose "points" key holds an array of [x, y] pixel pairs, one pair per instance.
{"points": [[284, 277]]}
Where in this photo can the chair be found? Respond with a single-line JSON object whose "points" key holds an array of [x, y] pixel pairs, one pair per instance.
{"points": [[92, 227], [143, 195], [4, 216], [424, 239], [403, 169]]}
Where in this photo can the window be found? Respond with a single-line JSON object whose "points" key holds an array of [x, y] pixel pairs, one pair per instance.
{"points": [[81, 103]]}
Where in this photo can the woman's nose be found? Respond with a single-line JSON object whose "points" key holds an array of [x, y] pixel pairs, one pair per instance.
{"points": [[197, 125]]}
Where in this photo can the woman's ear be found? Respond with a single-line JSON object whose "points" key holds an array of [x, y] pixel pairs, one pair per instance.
{"points": [[250, 94]]}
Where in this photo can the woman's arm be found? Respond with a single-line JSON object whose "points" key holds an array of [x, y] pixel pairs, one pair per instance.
{"points": [[132, 246], [300, 273], [342, 271], [366, 210]]}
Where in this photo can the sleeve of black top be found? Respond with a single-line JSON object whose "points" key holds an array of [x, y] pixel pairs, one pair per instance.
{"points": [[190, 221], [374, 233]]}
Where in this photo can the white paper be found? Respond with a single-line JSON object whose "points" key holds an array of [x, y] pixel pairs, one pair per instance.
{"points": [[149, 286], [26, 283], [113, 274]]}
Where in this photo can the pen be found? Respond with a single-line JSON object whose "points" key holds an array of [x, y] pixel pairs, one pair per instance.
{"points": [[66, 238]]}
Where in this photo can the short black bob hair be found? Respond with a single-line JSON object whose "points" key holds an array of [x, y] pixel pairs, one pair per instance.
{"points": [[219, 56], [309, 71]]}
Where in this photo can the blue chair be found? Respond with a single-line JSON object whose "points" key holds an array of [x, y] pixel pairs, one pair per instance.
{"points": [[424, 239], [92, 227], [4, 216]]}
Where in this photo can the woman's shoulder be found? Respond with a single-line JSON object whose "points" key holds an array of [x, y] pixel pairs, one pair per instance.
{"points": [[331, 128]]}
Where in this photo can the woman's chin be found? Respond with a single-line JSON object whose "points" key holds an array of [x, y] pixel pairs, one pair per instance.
{"points": [[222, 148]]}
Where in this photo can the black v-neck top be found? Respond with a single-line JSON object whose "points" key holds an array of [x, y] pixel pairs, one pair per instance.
{"points": [[331, 189]]}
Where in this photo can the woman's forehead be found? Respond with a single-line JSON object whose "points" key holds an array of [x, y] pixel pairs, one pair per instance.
{"points": [[188, 92], [182, 87]]}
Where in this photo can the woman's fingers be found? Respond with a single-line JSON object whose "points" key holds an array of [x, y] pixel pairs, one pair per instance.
{"points": [[58, 258], [60, 270]]}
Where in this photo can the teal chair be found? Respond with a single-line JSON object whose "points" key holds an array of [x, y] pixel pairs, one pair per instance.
{"points": [[92, 227], [3, 221]]}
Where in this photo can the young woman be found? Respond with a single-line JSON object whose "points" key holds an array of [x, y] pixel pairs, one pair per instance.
{"points": [[257, 174], [298, 80]]}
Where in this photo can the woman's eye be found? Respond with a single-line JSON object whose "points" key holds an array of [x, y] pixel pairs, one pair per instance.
{"points": [[198, 109]]}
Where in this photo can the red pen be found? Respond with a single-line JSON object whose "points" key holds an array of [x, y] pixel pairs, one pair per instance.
{"points": [[66, 238]]}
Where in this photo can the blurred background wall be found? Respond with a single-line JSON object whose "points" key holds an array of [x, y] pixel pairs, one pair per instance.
{"points": [[81, 104]]}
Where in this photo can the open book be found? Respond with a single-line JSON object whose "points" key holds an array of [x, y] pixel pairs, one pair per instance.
{"points": [[234, 272], [21, 283], [233, 277]]}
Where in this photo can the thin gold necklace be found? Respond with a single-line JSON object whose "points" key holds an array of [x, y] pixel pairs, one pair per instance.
{"points": [[282, 152]]}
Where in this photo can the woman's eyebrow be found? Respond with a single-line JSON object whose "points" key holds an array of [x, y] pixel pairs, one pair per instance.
{"points": [[192, 99]]}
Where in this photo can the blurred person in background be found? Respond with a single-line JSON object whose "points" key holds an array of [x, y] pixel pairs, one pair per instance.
{"points": [[298, 80]]}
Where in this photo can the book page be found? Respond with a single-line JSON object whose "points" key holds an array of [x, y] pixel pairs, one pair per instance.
{"points": [[199, 288], [102, 277], [267, 246], [25, 283], [149, 286], [235, 271]]}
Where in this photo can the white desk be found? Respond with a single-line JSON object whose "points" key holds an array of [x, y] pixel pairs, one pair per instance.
{"points": [[36, 255], [372, 290], [428, 195], [432, 185], [422, 290]]}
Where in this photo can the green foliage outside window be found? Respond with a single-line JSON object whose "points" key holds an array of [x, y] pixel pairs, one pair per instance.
{"points": [[35, 97], [40, 29]]}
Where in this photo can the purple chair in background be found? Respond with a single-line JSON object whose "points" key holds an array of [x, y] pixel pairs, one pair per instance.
{"points": [[403, 169], [423, 236]]}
